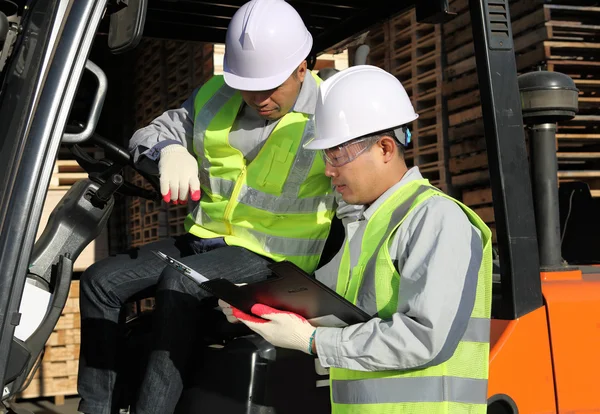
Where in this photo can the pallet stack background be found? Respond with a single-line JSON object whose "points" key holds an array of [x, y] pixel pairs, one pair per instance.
{"points": [[413, 53], [555, 37], [166, 74], [57, 373]]}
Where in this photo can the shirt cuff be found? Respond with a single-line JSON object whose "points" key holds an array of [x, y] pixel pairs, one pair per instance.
{"points": [[328, 342], [154, 152]]}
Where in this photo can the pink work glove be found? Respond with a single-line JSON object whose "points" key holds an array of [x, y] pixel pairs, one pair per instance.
{"points": [[280, 328], [178, 175]]}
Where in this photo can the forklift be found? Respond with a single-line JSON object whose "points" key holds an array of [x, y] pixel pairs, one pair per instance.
{"points": [[545, 311]]}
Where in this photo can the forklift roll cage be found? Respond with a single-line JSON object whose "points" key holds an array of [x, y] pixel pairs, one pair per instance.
{"points": [[50, 54]]}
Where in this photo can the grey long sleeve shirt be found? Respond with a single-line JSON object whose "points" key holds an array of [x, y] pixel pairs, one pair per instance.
{"points": [[438, 253], [248, 134]]}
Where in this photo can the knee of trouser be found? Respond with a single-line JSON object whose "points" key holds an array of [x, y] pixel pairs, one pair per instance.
{"points": [[93, 281], [171, 279]]}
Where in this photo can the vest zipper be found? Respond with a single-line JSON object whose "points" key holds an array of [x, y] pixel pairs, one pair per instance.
{"points": [[233, 199]]}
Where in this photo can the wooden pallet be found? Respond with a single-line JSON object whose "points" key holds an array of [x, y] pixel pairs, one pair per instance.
{"points": [[66, 173], [56, 375]]}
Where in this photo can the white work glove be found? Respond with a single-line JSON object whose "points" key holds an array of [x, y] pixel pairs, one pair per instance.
{"points": [[178, 174], [228, 311], [281, 328]]}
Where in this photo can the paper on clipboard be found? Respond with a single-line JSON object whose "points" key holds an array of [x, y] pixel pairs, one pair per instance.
{"points": [[328, 321]]}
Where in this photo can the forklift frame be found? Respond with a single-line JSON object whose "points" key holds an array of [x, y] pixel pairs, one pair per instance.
{"points": [[35, 103]]}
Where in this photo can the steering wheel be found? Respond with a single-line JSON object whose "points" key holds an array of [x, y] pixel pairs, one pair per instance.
{"points": [[108, 171]]}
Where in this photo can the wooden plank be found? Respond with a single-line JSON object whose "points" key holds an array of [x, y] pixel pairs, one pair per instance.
{"points": [[465, 116], [65, 337], [477, 197], [458, 38], [66, 179], [461, 53], [485, 213], [461, 68], [53, 369], [74, 289], [67, 166], [529, 21], [578, 136], [469, 99], [531, 58], [578, 155], [467, 146], [471, 162], [458, 22], [471, 178], [532, 38], [520, 8], [461, 84], [62, 352], [474, 129], [50, 387], [68, 321], [578, 174], [71, 306]]}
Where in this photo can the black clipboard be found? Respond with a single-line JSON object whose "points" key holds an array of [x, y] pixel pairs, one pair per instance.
{"points": [[289, 289]]}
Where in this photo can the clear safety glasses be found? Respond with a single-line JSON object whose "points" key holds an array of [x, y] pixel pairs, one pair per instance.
{"points": [[343, 154]]}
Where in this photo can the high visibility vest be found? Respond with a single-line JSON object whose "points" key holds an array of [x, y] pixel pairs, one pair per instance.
{"points": [[458, 385], [280, 205]]}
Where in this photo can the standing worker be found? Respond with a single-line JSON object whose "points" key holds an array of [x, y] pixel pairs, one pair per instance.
{"points": [[237, 146], [419, 261]]}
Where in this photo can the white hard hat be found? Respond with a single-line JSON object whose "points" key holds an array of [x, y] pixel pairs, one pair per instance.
{"points": [[266, 41], [359, 101]]}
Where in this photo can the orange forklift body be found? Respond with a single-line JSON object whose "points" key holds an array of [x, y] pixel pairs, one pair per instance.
{"points": [[547, 361]]}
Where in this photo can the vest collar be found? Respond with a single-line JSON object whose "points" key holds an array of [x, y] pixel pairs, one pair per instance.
{"points": [[412, 174]]}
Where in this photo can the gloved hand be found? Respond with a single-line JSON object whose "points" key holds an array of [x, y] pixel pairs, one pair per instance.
{"points": [[228, 311], [282, 329], [178, 174]]}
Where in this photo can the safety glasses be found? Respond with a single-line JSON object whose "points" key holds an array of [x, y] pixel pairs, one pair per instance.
{"points": [[343, 154]]}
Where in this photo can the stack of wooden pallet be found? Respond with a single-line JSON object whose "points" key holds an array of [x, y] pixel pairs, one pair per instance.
{"points": [[167, 72], [412, 52], [57, 373], [552, 36]]}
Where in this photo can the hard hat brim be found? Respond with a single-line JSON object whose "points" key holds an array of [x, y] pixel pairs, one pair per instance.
{"points": [[253, 84], [321, 144]]}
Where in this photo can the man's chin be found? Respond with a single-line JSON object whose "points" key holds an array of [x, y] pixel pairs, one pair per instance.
{"points": [[270, 115]]}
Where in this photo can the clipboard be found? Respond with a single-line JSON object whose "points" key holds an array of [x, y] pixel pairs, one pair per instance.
{"points": [[289, 289]]}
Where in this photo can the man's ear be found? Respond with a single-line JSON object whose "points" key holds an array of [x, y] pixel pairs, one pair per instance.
{"points": [[388, 148], [301, 71]]}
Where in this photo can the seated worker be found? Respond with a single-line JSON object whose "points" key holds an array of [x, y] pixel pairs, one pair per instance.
{"points": [[237, 145], [419, 261]]}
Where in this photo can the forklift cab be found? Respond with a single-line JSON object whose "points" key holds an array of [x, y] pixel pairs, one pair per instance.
{"points": [[45, 46]]}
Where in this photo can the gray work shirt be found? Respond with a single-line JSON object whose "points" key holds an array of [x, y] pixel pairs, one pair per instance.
{"points": [[248, 134], [438, 254]]}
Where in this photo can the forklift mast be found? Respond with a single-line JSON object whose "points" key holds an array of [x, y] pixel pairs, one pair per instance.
{"points": [[42, 75]]}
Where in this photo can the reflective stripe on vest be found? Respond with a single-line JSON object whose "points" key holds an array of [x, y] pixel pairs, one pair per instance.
{"points": [[280, 205], [457, 385]]}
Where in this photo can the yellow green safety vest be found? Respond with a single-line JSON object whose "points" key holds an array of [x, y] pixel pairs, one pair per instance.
{"points": [[280, 205], [458, 385]]}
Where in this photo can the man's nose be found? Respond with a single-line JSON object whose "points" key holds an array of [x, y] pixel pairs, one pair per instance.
{"points": [[330, 170], [260, 98]]}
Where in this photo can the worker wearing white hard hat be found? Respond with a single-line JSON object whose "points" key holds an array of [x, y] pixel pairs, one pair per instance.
{"points": [[419, 261], [237, 147]]}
